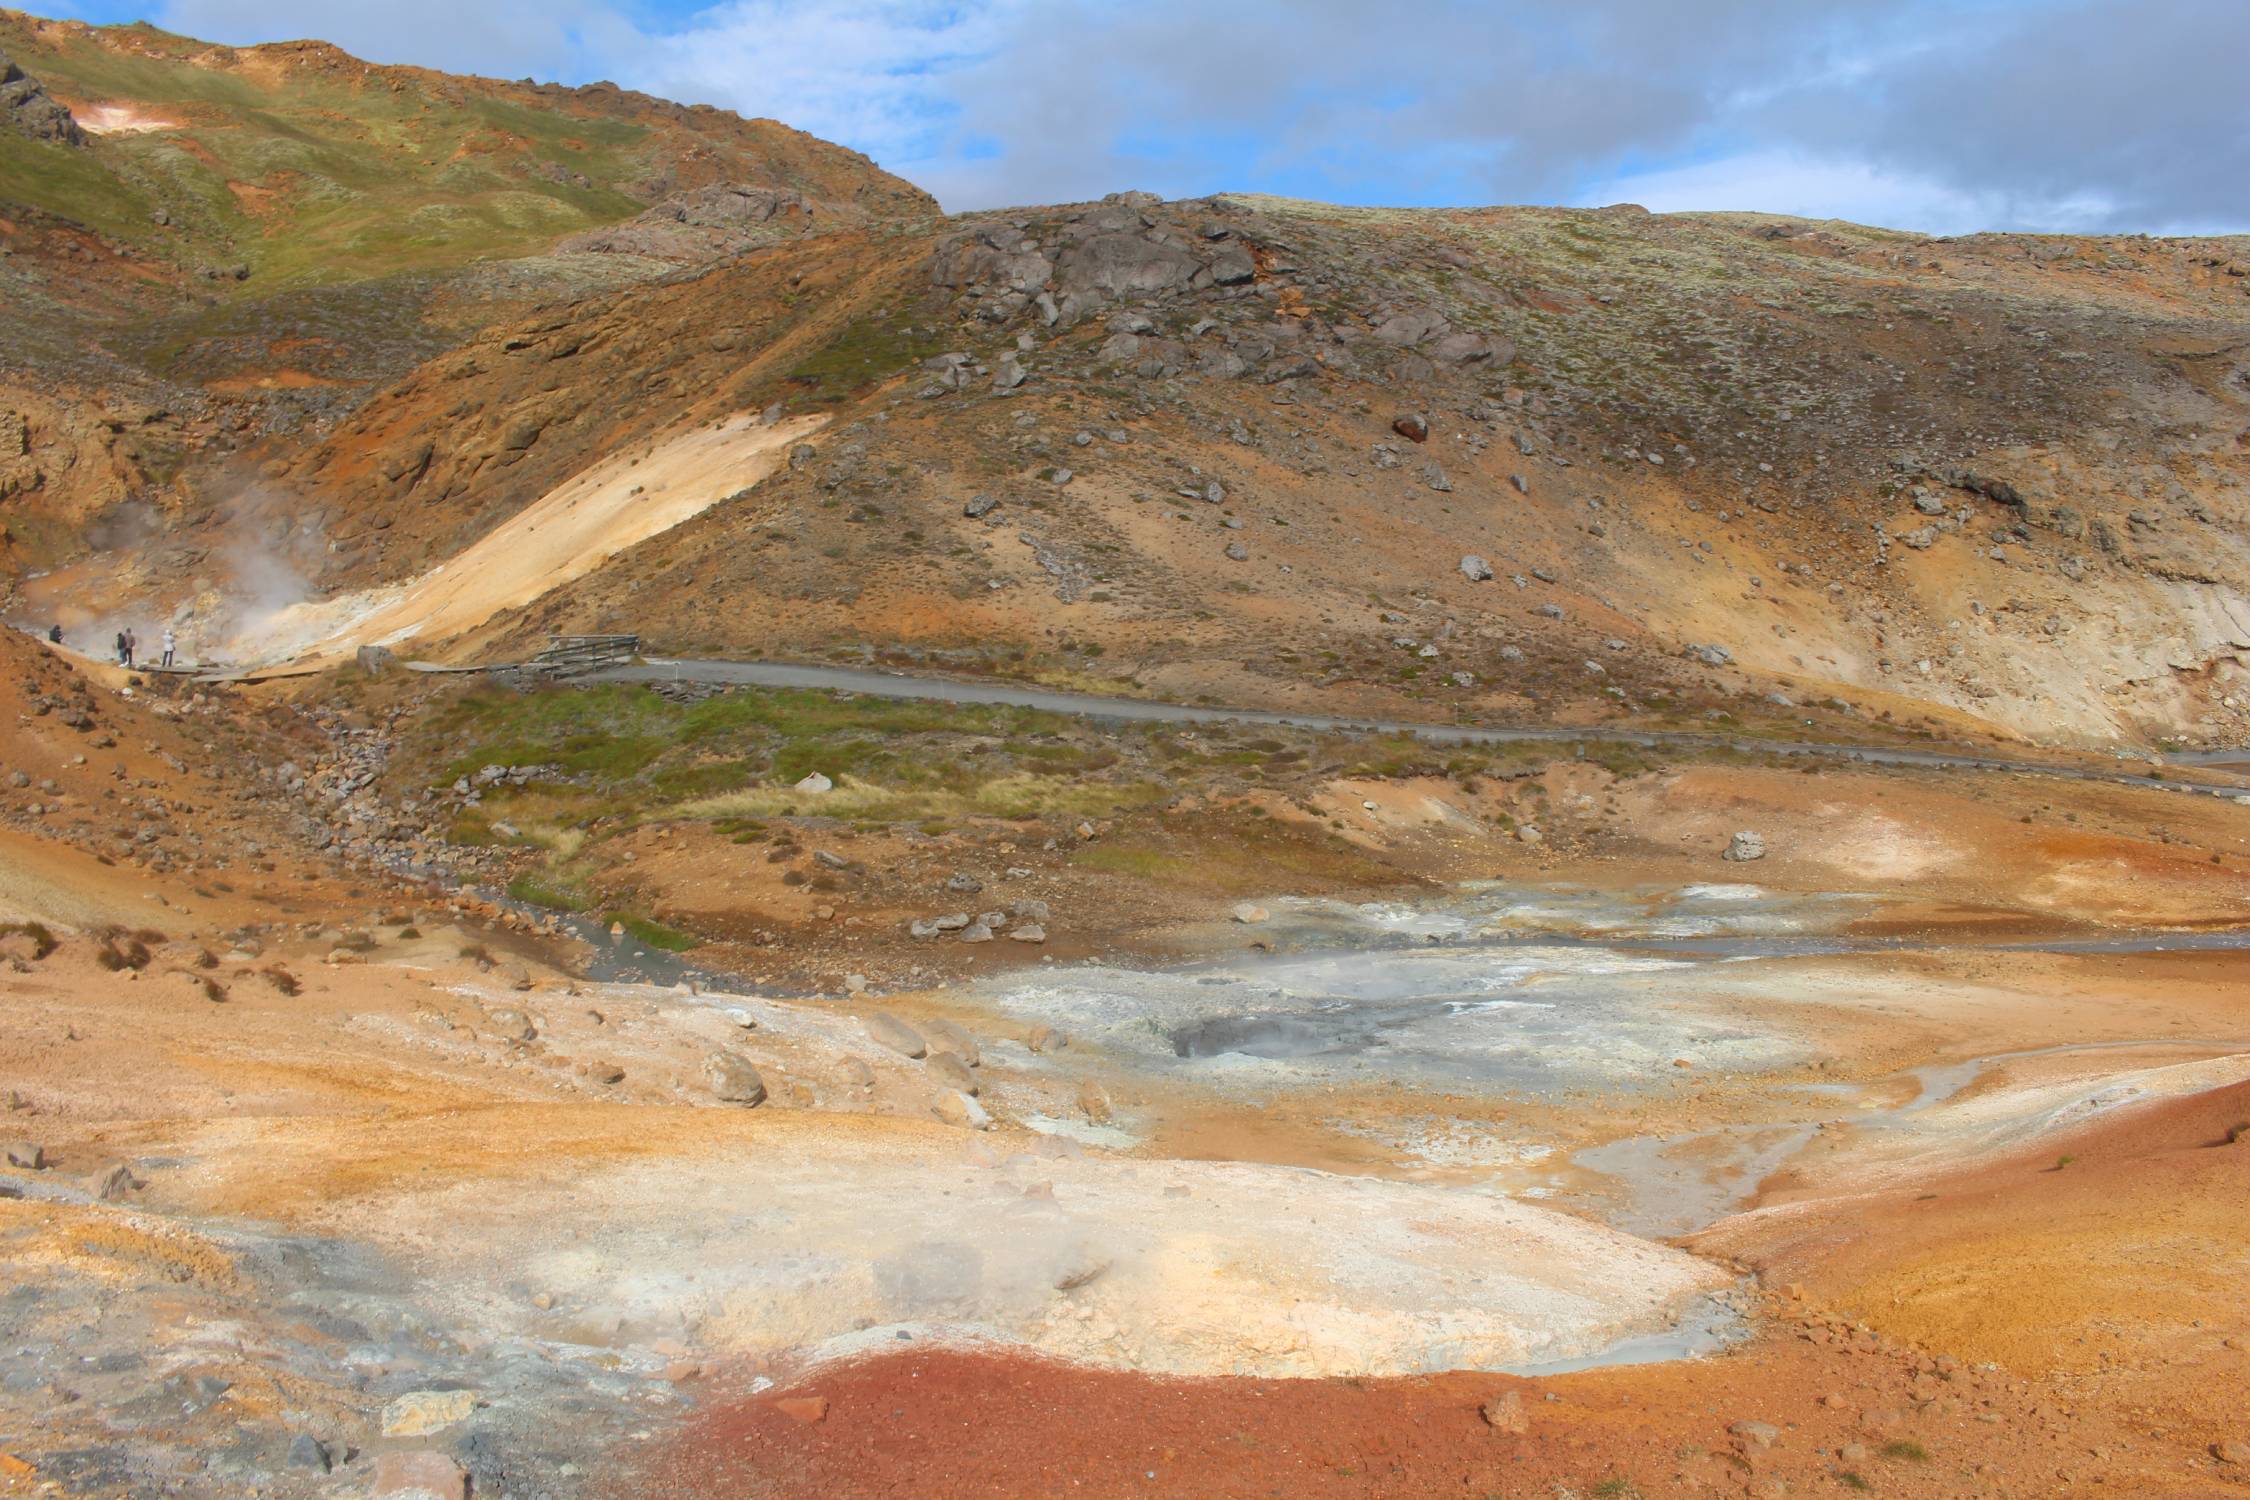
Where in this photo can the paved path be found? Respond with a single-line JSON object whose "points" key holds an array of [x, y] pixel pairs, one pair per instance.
{"points": [[1142, 711]]}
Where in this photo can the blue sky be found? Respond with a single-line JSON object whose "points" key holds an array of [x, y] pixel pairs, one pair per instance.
{"points": [[1945, 117]]}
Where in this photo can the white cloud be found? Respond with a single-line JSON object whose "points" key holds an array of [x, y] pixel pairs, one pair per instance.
{"points": [[1785, 182], [1930, 114]]}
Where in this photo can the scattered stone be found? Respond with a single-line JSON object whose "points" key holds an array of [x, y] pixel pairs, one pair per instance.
{"points": [[115, 1183], [421, 1412], [1412, 426], [953, 1072], [895, 1034], [419, 1474], [733, 1080], [1028, 909], [816, 784], [309, 1452], [30, 1157], [1093, 1102], [1745, 846], [1505, 1413], [1028, 932], [976, 932], [1044, 1038], [956, 1108], [806, 1409], [963, 882], [1757, 1435], [1249, 913], [954, 1040], [979, 506]]}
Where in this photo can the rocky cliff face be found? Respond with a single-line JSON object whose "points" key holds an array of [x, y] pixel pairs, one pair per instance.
{"points": [[26, 107]]}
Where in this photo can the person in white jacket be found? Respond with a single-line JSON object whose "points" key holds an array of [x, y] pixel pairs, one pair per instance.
{"points": [[171, 644]]}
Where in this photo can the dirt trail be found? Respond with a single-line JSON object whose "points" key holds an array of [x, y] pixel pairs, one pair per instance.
{"points": [[887, 684], [567, 533]]}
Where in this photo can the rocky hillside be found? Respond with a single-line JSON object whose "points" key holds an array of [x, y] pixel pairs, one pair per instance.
{"points": [[203, 246], [1521, 461], [1576, 464]]}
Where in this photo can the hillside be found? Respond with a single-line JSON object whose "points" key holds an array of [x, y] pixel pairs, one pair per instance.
{"points": [[1236, 448], [201, 246], [1999, 480]]}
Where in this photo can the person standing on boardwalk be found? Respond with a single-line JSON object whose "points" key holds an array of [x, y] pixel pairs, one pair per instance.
{"points": [[132, 644], [121, 648], [171, 644]]}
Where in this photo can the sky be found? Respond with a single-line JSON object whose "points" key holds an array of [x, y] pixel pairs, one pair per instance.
{"points": [[2066, 115]]}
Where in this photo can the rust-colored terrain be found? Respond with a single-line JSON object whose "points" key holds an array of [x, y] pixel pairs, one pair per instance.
{"points": [[423, 1075]]}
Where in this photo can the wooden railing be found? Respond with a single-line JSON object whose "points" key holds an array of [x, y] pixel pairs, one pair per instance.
{"points": [[568, 655]]}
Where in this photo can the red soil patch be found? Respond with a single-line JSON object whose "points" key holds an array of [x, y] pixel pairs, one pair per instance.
{"points": [[940, 1424]]}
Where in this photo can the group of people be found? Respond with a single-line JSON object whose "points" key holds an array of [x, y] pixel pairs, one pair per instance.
{"points": [[128, 644]]}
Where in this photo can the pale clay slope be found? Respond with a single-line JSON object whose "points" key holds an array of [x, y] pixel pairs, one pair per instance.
{"points": [[569, 532]]}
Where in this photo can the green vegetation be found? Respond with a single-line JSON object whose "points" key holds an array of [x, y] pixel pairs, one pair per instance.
{"points": [[654, 934], [1908, 1449], [864, 353]]}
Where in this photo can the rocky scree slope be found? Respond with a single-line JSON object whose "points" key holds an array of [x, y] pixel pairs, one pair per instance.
{"points": [[1509, 460]]}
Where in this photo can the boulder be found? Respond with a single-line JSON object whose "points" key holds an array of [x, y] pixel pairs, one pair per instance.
{"points": [[815, 783], [954, 1040], [953, 1072], [1476, 569], [1126, 265], [957, 1108], [1028, 932], [1412, 426], [1745, 845], [419, 1412], [733, 1080], [895, 1034], [1249, 913]]}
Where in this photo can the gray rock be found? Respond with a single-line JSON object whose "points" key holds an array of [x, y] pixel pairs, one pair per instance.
{"points": [[964, 883], [1126, 265], [1238, 552], [1745, 846], [954, 1040], [309, 1452], [976, 932], [1028, 932], [1233, 266], [978, 506], [1028, 909], [1712, 656], [953, 1072], [733, 1079], [1475, 569], [957, 1108], [891, 1032]]}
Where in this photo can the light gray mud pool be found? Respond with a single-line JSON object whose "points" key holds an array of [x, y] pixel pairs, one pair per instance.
{"points": [[1543, 995]]}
